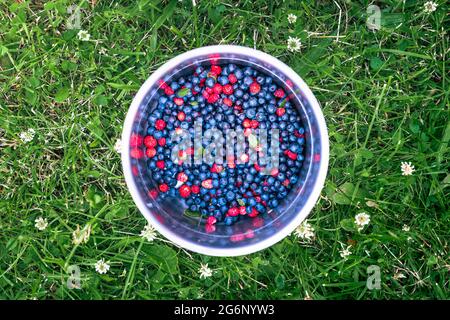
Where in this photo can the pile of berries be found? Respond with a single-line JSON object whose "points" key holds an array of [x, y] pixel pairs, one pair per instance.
{"points": [[223, 97]]}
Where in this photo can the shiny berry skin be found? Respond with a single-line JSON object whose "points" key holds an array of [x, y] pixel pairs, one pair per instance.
{"points": [[207, 184], [227, 89], [211, 220], [254, 88], [163, 187], [182, 177], [178, 101], [254, 124], [280, 111], [150, 152], [254, 213], [232, 78], [162, 141], [279, 93], [160, 124], [160, 164], [213, 98], [247, 123], [195, 189], [218, 88], [150, 142], [242, 210], [184, 191], [168, 91], [136, 140], [227, 102], [153, 193], [216, 69], [136, 153], [291, 155], [233, 212], [181, 116]]}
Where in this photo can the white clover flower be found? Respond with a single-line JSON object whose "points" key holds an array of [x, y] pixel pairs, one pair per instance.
{"points": [[41, 223], [80, 236], [362, 219], [430, 7], [294, 44], [345, 252], [103, 51], [406, 228], [83, 35], [28, 135], [407, 168], [305, 231], [118, 146], [291, 18], [101, 266], [205, 271], [149, 233]]}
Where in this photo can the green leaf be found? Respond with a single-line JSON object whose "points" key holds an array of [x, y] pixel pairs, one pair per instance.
{"points": [[241, 202], [192, 214], [345, 193], [168, 11], [62, 94], [348, 225], [376, 63], [163, 257], [183, 92]]}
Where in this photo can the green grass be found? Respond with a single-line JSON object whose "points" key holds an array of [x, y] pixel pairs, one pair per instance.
{"points": [[385, 96]]}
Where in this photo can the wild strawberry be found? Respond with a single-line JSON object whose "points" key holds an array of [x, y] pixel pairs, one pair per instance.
{"points": [[254, 213], [242, 210], [247, 123], [228, 102], [291, 155], [213, 98], [232, 78], [169, 91], [279, 93], [136, 140], [150, 142], [254, 124], [216, 70], [286, 182], [195, 189], [150, 152], [215, 168], [160, 124], [153, 193], [160, 164], [163, 187], [163, 84], [274, 172], [209, 90], [205, 94], [182, 177], [184, 191], [298, 134], [254, 88], [181, 116], [178, 101], [217, 88], [280, 111], [211, 220], [228, 89], [233, 212], [210, 228], [136, 153], [162, 141], [257, 167], [207, 184]]}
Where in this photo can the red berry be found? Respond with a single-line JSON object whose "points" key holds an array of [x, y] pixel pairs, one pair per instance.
{"points": [[228, 102], [242, 210], [216, 69], [232, 78], [182, 177], [254, 213], [227, 89], [247, 132], [298, 134], [280, 111], [136, 140], [150, 152], [153, 193], [279, 93], [205, 94], [254, 124], [160, 124], [169, 91], [213, 98], [178, 101], [150, 141], [207, 184], [211, 220], [195, 189], [291, 155], [210, 228], [217, 88], [254, 87], [215, 168], [214, 58], [160, 164], [274, 172], [247, 123], [162, 142], [136, 153], [181, 116], [257, 167], [163, 187], [184, 191], [233, 212], [163, 84], [209, 90], [286, 182]]}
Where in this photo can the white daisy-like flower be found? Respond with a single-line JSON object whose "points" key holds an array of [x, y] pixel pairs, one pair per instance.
{"points": [[345, 252], [292, 18], [305, 231], [406, 228], [205, 271], [430, 6], [41, 223], [294, 44], [407, 168], [101, 266], [80, 236], [83, 35], [28, 135], [149, 233], [118, 146], [103, 51], [362, 219]]}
